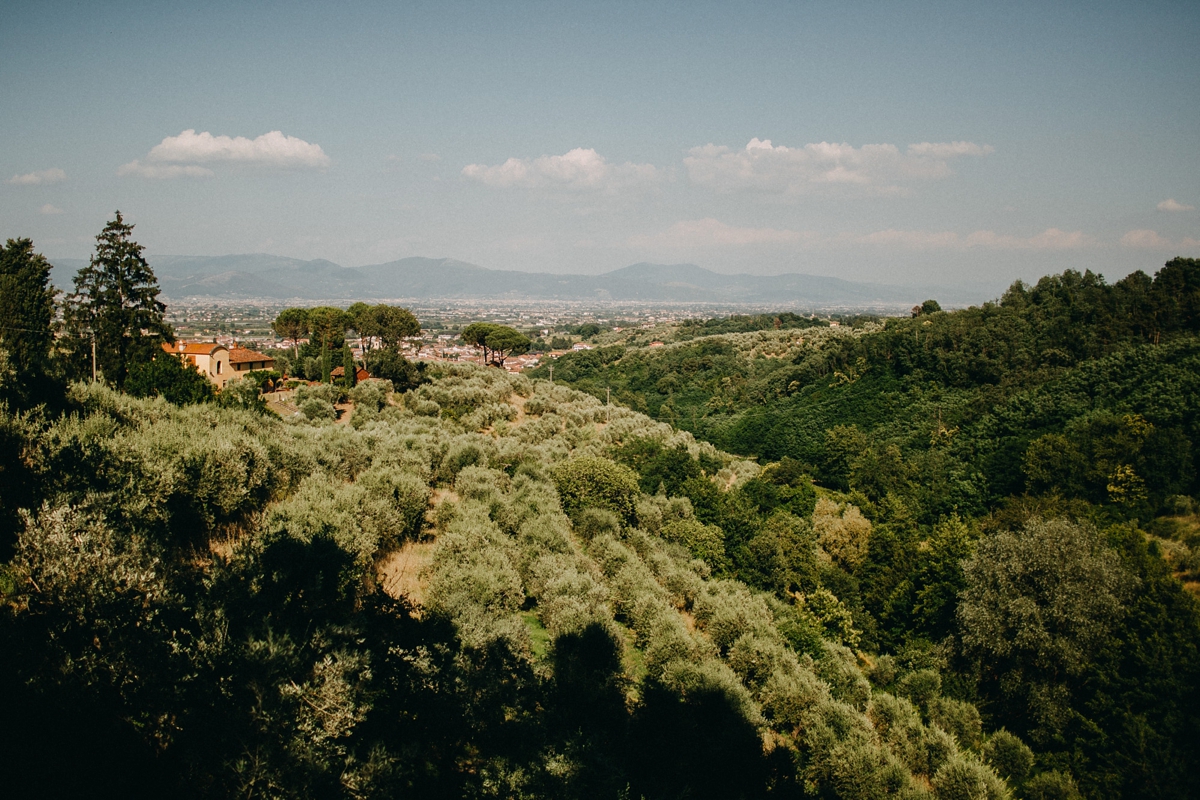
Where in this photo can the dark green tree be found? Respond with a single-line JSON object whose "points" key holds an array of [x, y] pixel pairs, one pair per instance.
{"points": [[171, 378], [115, 304], [391, 366], [477, 333], [349, 368], [327, 324], [394, 324], [26, 317], [292, 323], [504, 342]]}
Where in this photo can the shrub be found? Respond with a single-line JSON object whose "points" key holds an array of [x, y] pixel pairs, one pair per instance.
{"points": [[703, 541], [963, 778], [593, 522], [318, 410], [922, 687], [843, 532], [597, 483], [1009, 756], [957, 718], [1051, 785]]}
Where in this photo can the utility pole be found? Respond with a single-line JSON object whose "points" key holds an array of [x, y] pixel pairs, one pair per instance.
{"points": [[93, 356], [607, 405], [552, 373]]}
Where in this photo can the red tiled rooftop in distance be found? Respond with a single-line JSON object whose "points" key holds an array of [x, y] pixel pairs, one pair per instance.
{"points": [[239, 355], [192, 348]]}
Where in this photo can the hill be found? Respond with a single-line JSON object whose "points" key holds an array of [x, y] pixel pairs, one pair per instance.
{"points": [[262, 276]]}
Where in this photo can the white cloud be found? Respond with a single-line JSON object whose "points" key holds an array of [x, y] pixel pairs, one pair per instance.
{"points": [[872, 168], [163, 171], [579, 170], [947, 150], [1049, 239], [918, 240], [709, 232], [1189, 243], [271, 149], [1171, 204], [49, 209], [38, 177], [1149, 240], [430, 157]]}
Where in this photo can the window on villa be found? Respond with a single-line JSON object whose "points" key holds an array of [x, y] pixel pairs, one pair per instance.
{"points": [[218, 367]]}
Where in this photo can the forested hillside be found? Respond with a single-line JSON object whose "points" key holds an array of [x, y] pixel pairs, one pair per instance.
{"points": [[956, 570], [980, 434], [206, 602]]}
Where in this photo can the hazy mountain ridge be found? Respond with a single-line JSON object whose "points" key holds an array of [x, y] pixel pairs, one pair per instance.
{"points": [[266, 276]]}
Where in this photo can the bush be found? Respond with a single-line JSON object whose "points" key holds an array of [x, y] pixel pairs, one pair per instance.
{"points": [[391, 366], [242, 393], [702, 541], [590, 482], [1009, 756], [1051, 785], [963, 778], [593, 522], [958, 719], [170, 378], [318, 410]]}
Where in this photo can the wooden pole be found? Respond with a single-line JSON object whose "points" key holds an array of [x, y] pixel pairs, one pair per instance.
{"points": [[93, 357]]}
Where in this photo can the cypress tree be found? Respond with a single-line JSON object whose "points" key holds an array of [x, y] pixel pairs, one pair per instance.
{"points": [[26, 315]]}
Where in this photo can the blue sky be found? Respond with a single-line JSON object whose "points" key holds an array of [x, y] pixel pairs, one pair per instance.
{"points": [[911, 142]]}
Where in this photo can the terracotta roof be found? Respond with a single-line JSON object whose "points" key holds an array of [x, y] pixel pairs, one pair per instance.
{"points": [[239, 355], [193, 348]]}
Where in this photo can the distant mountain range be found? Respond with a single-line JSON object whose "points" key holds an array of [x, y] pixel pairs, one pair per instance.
{"points": [[260, 276]]}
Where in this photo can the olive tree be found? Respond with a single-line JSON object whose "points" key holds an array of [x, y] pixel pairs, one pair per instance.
{"points": [[1037, 603]]}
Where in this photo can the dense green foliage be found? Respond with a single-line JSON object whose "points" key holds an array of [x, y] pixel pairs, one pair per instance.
{"points": [[498, 341], [169, 377], [27, 376], [114, 306], [952, 433], [954, 574], [744, 323], [198, 595]]}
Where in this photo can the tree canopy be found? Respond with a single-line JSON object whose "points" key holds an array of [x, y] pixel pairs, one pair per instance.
{"points": [[115, 303], [498, 341], [292, 323], [26, 324]]}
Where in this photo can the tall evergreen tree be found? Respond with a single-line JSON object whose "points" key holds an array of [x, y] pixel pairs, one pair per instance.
{"points": [[26, 316], [115, 304]]}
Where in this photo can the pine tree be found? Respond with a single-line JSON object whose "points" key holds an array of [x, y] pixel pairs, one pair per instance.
{"points": [[115, 304], [26, 319]]}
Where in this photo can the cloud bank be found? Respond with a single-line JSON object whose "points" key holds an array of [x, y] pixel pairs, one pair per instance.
{"points": [[581, 169], [163, 171], [872, 168], [50, 209], [180, 156], [1145, 239], [1171, 204], [38, 177], [709, 232]]}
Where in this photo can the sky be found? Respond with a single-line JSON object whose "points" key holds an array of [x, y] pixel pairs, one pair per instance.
{"points": [[957, 143]]}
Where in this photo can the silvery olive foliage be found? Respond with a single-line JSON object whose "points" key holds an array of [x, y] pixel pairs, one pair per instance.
{"points": [[231, 567]]}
